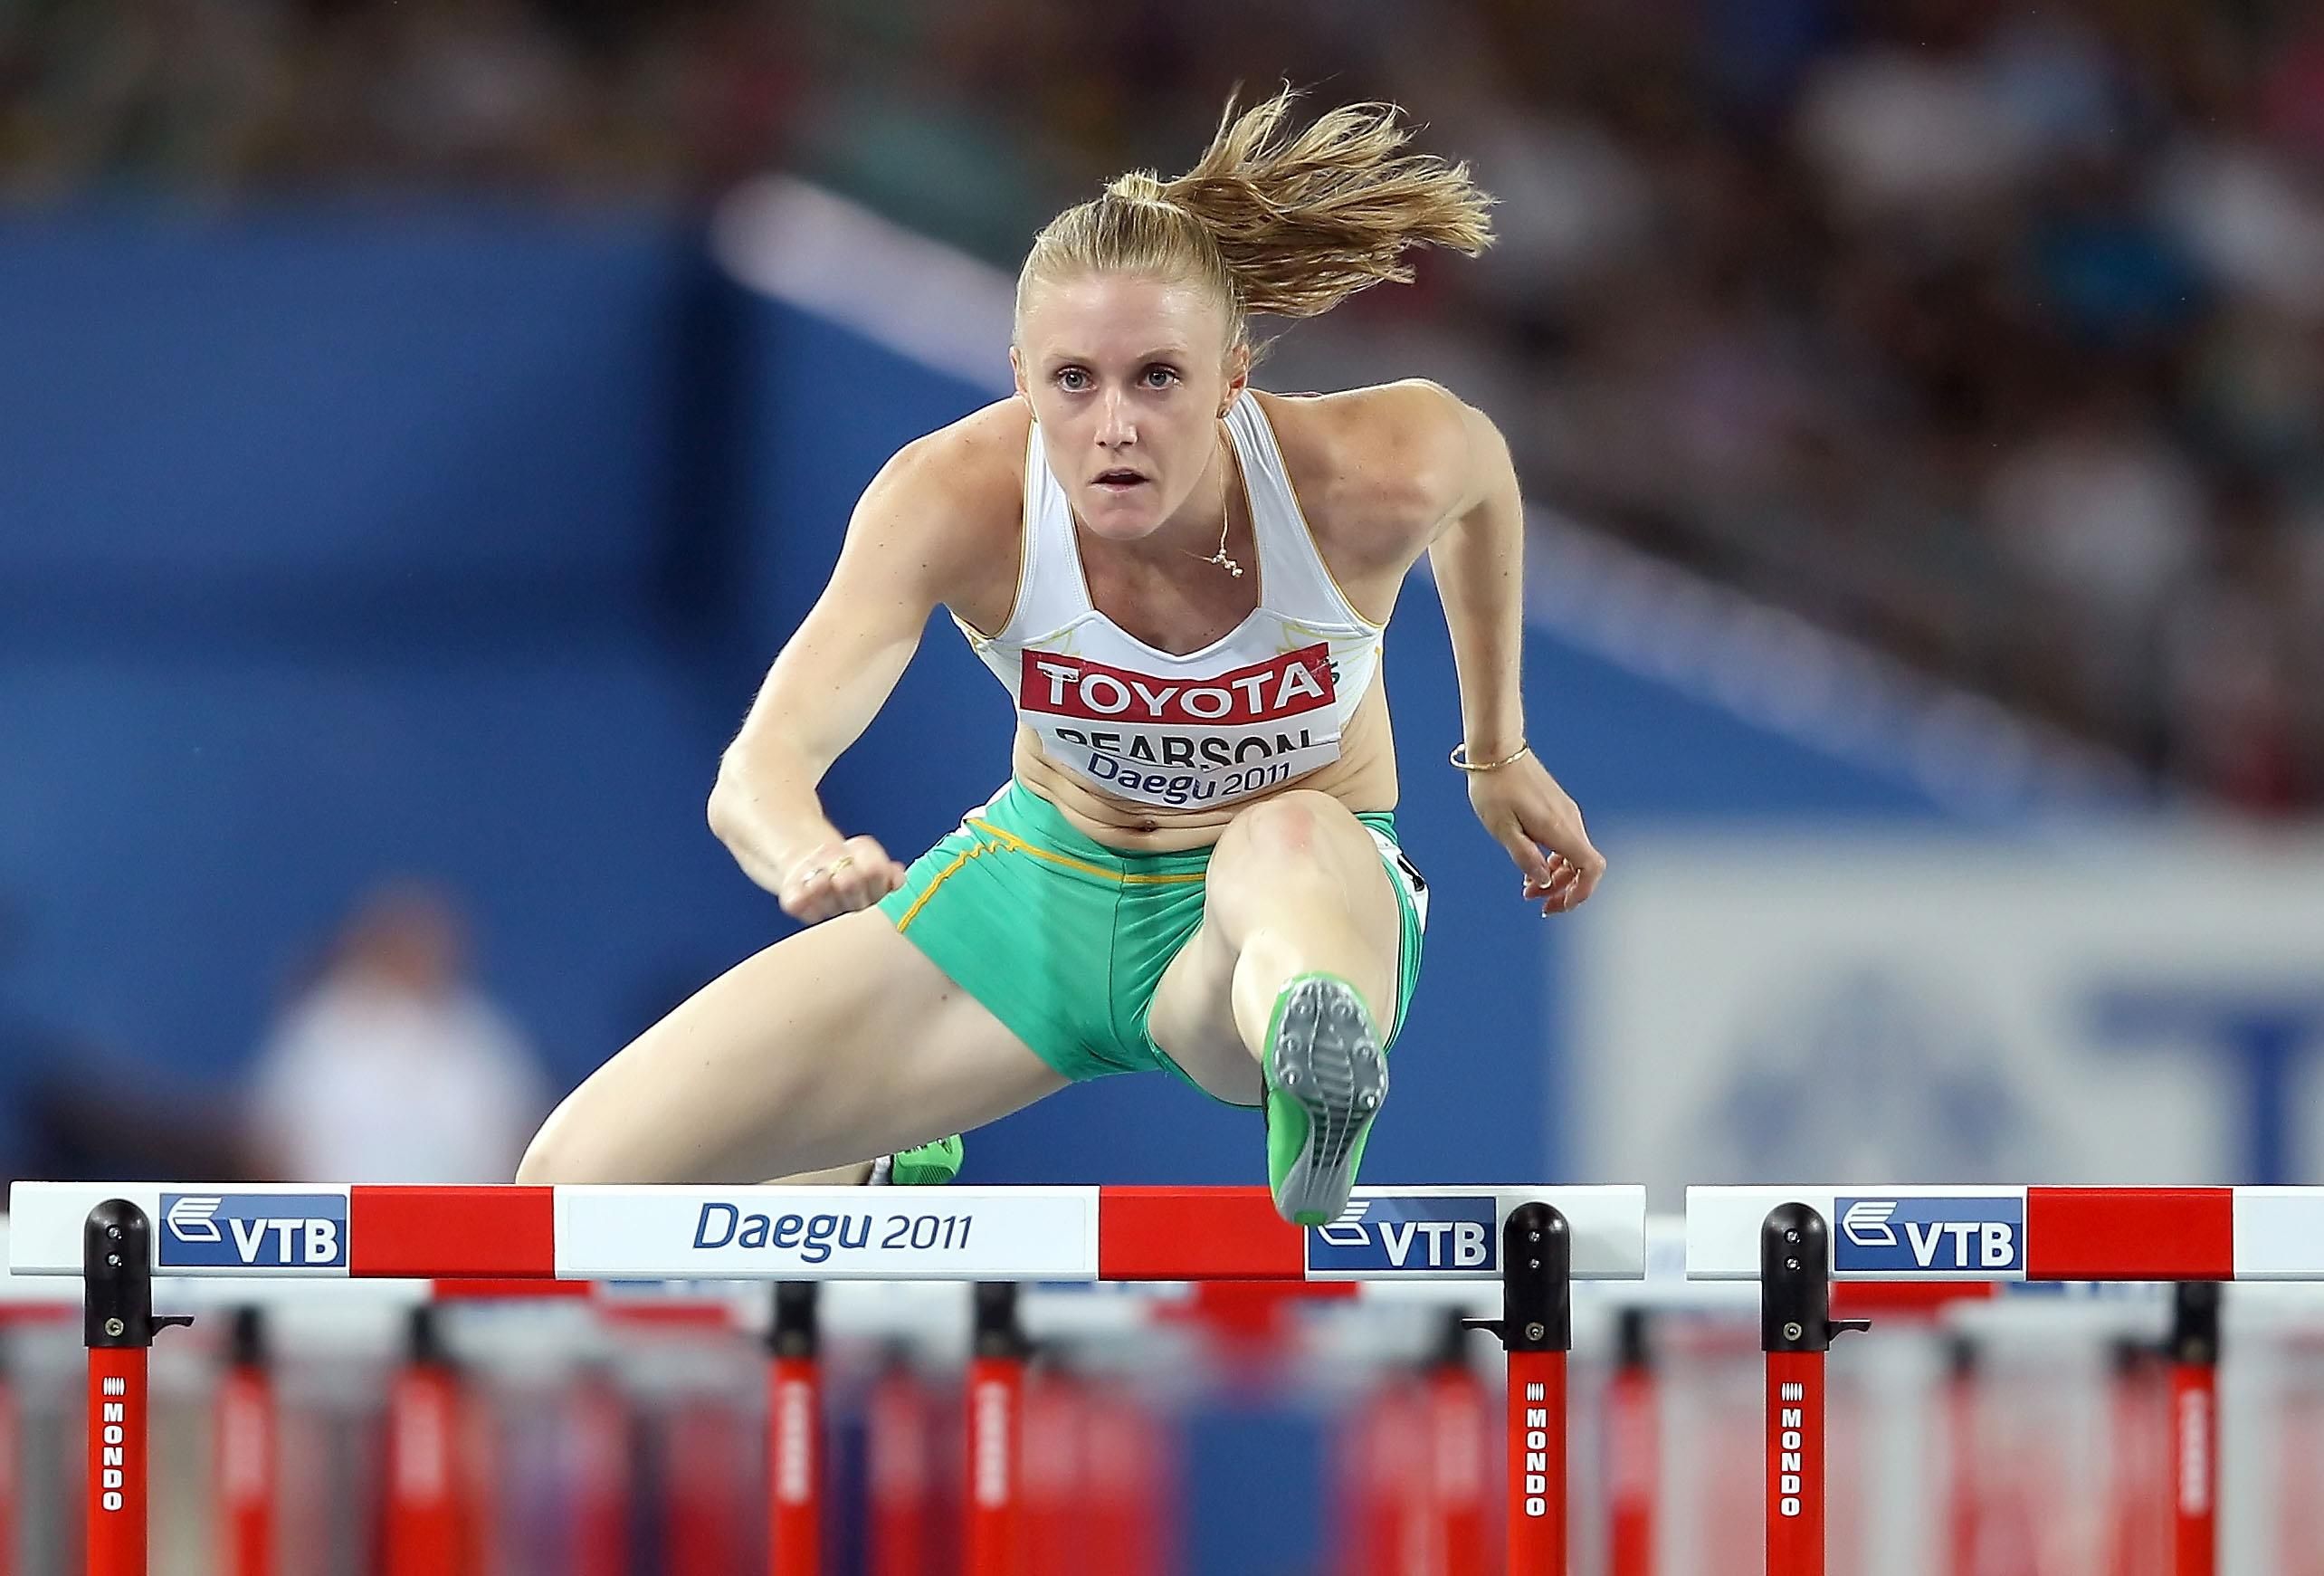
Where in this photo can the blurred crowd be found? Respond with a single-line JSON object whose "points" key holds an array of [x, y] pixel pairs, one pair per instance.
{"points": [[1993, 335]]}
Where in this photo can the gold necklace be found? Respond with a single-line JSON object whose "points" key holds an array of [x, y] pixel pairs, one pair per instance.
{"points": [[1225, 515]]}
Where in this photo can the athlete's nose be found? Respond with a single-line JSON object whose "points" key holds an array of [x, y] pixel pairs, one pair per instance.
{"points": [[1115, 429]]}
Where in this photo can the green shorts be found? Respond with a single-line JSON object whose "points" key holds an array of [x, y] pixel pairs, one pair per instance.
{"points": [[1065, 939]]}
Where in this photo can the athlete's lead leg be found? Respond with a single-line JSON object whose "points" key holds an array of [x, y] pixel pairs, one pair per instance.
{"points": [[1296, 886], [1287, 989]]}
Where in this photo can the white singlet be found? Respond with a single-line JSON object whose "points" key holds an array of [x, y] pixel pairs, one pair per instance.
{"points": [[1258, 707]]}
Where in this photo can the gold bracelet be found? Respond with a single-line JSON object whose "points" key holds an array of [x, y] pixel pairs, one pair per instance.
{"points": [[1460, 753]]}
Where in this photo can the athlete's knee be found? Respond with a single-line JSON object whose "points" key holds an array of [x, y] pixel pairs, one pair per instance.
{"points": [[1287, 827], [1301, 851]]}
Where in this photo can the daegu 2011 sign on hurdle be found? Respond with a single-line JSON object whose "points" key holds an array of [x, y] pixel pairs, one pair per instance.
{"points": [[1017, 1234]]}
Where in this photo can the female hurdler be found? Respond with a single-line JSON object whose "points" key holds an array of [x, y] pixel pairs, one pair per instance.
{"points": [[1182, 583]]}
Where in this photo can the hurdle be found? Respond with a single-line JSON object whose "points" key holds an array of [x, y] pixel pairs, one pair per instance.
{"points": [[1783, 1237], [1532, 1241]]}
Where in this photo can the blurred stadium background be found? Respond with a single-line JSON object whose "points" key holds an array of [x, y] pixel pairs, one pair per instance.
{"points": [[420, 422]]}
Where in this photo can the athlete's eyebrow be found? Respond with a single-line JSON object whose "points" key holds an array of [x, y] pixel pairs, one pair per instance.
{"points": [[1144, 357]]}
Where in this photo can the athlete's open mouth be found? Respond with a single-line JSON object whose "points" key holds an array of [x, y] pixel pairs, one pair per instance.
{"points": [[1119, 481]]}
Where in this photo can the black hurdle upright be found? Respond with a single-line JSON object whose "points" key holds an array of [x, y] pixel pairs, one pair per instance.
{"points": [[1796, 1331]]}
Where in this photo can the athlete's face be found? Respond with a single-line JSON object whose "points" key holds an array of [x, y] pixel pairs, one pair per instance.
{"points": [[1128, 374]]}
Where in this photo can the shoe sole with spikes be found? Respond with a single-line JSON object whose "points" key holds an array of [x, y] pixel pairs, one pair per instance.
{"points": [[1325, 1064]]}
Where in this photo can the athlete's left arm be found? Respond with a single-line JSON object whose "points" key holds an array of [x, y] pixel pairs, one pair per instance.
{"points": [[1477, 551]]}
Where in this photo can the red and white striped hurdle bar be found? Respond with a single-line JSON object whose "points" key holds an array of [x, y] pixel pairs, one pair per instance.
{"points": [[1796, 1241], [800, 1234], [2059, 1234], [1533, 1241]]}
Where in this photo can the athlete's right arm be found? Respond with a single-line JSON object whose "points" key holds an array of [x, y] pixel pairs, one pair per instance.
{"points": [[909, 545]]}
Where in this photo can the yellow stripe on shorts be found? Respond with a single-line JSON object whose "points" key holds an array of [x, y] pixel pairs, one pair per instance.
{"points": [[1019, 845], [942, 875]]}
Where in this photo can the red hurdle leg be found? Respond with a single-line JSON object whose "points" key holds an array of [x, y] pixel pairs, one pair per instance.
{"points": [[1460, 1500], [1131, 1481], [1537, 1464], [246, 1452], [118, 1422], [1057, 1498], [1795, 1331], [1537, 1330], [117, 1276], [899, 1473], [1965, 1456], [1633, 1452], [1411, 1541], [996, 1495], [424, 1533], [704, 1514], [794, 1443], [597, 1439], [2195, 1428], [1795, 1463], [2138, 1476], [1367, 1463]]}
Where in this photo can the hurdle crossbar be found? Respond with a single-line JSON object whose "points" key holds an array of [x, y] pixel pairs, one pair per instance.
{"points": [[2017, 1234], [1799, 1240], [1533, 1241], [800, 1234]]}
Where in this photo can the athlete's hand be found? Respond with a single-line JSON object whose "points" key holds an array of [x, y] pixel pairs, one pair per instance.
{"points": [[839, 878], [1527, 812]]}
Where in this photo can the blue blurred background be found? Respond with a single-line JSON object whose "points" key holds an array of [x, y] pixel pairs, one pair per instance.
{"points": [[420, 425]]}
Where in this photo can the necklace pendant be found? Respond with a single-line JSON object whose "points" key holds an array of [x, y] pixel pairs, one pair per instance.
{"points": [[1229, 565]]}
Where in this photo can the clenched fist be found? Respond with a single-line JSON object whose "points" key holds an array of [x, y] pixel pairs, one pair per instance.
{"points": [[839, 878]]}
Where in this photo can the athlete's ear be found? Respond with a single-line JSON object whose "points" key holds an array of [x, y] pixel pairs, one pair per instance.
{"points": [[1238, 372], [1017, 373]]}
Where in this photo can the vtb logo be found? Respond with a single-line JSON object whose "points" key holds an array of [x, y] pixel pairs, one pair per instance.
{"points": [[1414, 1232], [1964, 1236], [253, 1231]]}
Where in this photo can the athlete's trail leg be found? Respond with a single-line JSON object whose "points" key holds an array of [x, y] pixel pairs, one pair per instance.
{"points": [[838, 1043]]}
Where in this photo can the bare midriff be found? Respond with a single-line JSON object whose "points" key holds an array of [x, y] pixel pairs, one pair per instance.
{"points": [[1364, 778]]}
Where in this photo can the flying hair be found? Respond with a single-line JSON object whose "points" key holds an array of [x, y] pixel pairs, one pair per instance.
{"points": [[1274, 218]]}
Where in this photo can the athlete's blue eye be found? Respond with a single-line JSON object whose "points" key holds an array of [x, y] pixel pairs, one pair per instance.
{"points": [[1072, 380], [1165, 376]]}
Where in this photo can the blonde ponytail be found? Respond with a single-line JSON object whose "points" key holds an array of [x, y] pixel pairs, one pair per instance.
{"points": [[1288, 222]]}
